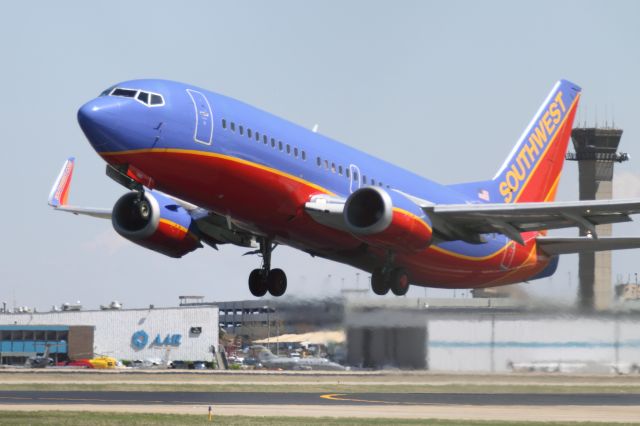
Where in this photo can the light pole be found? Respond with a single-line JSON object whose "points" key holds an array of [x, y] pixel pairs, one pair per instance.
{"points": [[268, 327]]}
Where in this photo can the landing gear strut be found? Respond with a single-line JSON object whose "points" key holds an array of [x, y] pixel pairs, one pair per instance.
{"points": [[266, 279], [390, 278]]}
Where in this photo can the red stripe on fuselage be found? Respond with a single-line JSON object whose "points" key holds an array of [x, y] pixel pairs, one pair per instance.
{"points": [[272, 202]]}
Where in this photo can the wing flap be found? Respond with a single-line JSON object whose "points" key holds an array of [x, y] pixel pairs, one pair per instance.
{"points": [[560, 245]]}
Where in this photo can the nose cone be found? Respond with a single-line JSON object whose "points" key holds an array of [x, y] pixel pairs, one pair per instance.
{"points": [[99, 120]]}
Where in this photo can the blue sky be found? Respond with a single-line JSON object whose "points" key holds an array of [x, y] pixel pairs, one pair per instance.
{"points": [[441, 88]]}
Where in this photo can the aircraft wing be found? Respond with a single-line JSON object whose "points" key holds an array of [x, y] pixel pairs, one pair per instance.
{"points": [[60, 193], [214, 228], [469, 221], [560, 245]]}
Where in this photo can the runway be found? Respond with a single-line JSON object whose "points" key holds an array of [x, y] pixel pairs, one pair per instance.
{"points": [[321, 399]]}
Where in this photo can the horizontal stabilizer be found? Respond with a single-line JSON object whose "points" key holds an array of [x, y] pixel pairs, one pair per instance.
{"points": [[560, 245]]}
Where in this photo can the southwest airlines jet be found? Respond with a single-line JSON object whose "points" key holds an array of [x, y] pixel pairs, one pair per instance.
{"points": [[205, 168]]}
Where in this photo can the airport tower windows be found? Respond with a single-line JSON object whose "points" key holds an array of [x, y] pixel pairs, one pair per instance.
{"points": [[318, 161], [125, 93], [156, 99], [295, 152], [241, 129], [265, 139], [304, 155], [224, 123], [143, 97], [249, 133], [273, 143]]}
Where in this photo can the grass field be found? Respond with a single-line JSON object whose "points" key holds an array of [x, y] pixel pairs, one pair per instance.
{"points": [[96, 419]]}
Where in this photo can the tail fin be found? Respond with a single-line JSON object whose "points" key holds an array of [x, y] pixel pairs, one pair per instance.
{"points": [[532, 170], [60, 190]]}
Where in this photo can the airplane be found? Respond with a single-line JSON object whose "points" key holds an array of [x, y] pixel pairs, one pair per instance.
{"points": [[269, 360], [205, 168], [40, 361]]}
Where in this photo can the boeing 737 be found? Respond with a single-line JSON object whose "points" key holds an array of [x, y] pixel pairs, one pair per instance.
{"points": [[206, 168]]}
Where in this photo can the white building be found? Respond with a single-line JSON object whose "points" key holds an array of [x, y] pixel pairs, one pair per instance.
{"points": [[184, 333]]}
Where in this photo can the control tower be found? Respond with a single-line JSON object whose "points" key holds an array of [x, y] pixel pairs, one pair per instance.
{"points": [[596, 153]]}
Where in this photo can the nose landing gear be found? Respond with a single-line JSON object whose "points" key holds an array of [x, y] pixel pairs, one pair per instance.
{"points": [[265, 279]]}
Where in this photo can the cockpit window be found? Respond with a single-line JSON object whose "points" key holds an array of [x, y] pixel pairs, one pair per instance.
{"points": [[125, 93], [156, 99], [142, 96]]}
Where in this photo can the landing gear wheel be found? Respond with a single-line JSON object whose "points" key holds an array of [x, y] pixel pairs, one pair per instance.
{"points": [[399, 282], [257, 283], [379, 283], [277, 282]]}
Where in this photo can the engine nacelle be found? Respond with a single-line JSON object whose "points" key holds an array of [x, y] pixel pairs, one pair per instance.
{"points": [[155, 222], [387, 220]]}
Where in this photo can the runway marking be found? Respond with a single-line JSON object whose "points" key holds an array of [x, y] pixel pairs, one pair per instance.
{"points": [[337, 397]]}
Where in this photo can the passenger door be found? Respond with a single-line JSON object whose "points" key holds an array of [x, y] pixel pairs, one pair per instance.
{"points": [[204, 118]]}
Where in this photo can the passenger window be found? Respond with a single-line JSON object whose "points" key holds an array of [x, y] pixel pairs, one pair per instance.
{"points": [[233, 126], [241, 130], [156, 100], [346, 172], [248, 133], [224, 123], [304, 155], [273, 143], [257, 136], [318, 161], [373, 181], [265, 139], [326, 164], [295, 152], [340, 170], [355, 176], [364, 179], [280, 145], [288, 149], [143, 97], [333, 167]]}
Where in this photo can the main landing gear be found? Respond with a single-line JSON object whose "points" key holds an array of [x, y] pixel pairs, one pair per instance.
{"points": [[266, 279], [390, 278]]}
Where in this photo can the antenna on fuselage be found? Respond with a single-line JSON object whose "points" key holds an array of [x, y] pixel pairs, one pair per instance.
{"points": [[315, 128]]}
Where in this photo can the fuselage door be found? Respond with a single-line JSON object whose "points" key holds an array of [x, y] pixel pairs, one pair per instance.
{"points": [[204, 118], [354, 180]]}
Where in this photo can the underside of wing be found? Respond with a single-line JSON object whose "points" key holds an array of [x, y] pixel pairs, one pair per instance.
{"points": [[560, 245]]}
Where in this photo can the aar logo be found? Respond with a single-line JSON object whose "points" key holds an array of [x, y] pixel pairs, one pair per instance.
{"points": [[140, 339]]}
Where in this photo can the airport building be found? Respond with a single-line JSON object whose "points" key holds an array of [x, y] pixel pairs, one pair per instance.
{"points": [[180, 333]]}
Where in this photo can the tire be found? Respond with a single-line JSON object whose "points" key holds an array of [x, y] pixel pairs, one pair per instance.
{"points": [[379, 284], [257, 283], [399, 281], [277, 282]]}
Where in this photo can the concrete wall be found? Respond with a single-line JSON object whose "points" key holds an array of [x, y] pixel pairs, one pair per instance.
{"points": [[115, 329]]}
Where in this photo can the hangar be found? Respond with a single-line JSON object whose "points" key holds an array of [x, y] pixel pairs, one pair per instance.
{"points": [[180, 333]]}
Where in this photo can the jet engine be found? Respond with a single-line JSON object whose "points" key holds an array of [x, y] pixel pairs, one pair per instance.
{"points": [[374, 216], [156, 222]]}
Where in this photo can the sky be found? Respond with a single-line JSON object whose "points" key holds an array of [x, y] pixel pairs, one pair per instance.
{"points": [[441, 88]]}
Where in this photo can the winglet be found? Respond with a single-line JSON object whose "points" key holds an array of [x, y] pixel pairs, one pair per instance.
{"points": [[60, 190]]}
